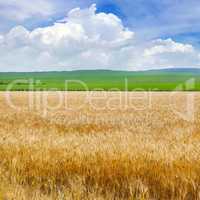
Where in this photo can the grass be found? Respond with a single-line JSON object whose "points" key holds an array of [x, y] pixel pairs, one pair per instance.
{"points": [[99, 146], [159, 80]]}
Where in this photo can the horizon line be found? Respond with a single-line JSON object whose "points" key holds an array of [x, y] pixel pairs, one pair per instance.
{"points": [[111, 70]]}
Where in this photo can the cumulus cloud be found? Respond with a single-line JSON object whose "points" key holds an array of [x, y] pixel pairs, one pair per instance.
{"points": [[167, 46], [167, 53], [88, 40]]}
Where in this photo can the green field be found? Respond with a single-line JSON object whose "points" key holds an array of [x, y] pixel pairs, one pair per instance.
{"points": [[156, 80]]}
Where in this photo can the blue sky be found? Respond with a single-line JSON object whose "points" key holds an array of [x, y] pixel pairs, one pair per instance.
{"points": [[175, 21], [178, 19], [156, 18]]}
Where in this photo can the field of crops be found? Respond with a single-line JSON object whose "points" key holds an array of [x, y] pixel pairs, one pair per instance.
{"points": [[99, 146], [153, 80]]}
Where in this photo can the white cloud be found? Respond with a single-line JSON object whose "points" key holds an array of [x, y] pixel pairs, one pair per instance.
{"points": [[168, 46], [86, 39], [167, 53], [19, 10], [1, 39]]}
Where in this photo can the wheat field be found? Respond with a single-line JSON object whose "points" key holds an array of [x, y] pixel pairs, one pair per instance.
{"points": [[99, 146]]}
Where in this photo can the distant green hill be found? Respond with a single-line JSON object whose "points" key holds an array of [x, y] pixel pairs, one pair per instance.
{"points": [[157, 80]]}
